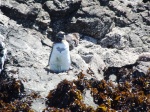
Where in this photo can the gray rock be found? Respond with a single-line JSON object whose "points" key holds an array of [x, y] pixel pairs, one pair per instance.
{"points": [[117, 38], [144, 57], [4, 20], [135, 40], [118, 58], [145, 16], [33, 11], [88, 21], [38, 104], [43, 19], [146, 40], [78, 62], [61, 8], [88, 99], [143, 67], [1, 40], [24, 14], [118, 9], [94, 27], [91, 20], [90, 39], [3, 52], [112, 78]]}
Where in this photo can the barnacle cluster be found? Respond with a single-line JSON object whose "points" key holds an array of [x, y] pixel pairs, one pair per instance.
{"points": [[11, 92], [130, 93]]}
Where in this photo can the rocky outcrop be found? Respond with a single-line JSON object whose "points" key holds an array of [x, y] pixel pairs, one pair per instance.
{"points": [[3, 53], [104, 36], [61, 8]]}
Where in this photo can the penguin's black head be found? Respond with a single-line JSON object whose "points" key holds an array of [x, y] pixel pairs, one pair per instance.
{"points": [[59, 36]]}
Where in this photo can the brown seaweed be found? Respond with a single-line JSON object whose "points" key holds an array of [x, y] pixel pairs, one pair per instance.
{"points": [[11, 93], [132, 94]]}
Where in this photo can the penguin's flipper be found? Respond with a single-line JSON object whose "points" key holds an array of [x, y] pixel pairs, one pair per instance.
{"points": [[50, 56]]}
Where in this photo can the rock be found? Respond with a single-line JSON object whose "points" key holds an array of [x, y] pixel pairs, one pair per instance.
{"points": [[114, 38], [47, 42], [121, 21], [88, 99], [1, 40], [38, 104], [104, 2], [3, 52], [94, 26], [43, 19], [135, 40], [23, 47], [61, 8], [78, 62], [87, 26], [97, 65], [112, 78], [90, 39], [117, 38], [3, 31], [118, 9], [34, 11], [87, 20], [143, 67], [146, 40], [140, 7], [4, 19], [144, 57], [118, 58], [21, 10], [145, 16], [22, 13]]}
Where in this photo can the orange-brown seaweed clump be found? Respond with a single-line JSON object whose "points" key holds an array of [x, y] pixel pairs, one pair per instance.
{"points": [[130, 94], [66, 98], [10, 95]]}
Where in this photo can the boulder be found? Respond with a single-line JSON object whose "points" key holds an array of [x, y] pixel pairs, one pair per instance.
{"points": [[43, 19], [135, 40], [61, 8], [117, 38]]}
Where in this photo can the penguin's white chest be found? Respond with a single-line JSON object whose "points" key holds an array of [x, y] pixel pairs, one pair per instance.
{"points": [[60, 57]]}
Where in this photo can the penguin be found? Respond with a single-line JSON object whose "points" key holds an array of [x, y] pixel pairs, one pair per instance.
{"points": [[59, 60]]}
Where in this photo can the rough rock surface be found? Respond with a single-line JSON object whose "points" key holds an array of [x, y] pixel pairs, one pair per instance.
{"points": [[3, 53], [112, 34]]}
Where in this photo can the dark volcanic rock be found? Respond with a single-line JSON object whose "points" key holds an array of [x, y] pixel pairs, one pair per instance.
{"points": [[27, 13], [104, 2], [61, 8], [22, 11], [92, 26]]}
